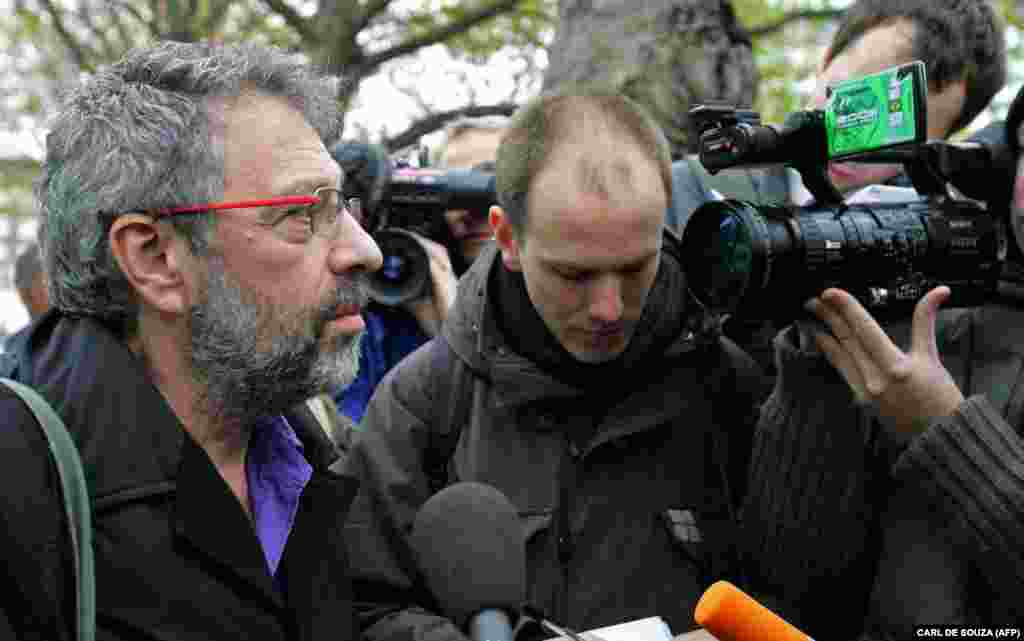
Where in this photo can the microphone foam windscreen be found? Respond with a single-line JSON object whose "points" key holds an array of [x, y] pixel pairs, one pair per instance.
{"points": [[469, 545], [730, 614]]}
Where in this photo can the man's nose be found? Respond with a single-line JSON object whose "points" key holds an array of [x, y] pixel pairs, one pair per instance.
{"points": [[606, 300], [354, 250]]}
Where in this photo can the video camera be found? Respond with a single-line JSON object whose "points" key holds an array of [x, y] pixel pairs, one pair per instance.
{"points": [[762, 262], [399, 200]]}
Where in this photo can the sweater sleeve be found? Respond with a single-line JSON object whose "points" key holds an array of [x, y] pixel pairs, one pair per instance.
{"points": [[975, 461], [808, 514]]}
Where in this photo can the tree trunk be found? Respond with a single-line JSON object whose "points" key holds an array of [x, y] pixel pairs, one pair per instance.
{"points": [[666, 54]]}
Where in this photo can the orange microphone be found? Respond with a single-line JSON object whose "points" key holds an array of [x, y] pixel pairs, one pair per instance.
{"points": [[733, 615]]}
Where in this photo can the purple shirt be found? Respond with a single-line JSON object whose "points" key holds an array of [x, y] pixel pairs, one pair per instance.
{"points": [[277, 471]]}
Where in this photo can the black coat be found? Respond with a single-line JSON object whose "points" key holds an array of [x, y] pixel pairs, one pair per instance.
{"points": [[176, 557], [601, 485]]}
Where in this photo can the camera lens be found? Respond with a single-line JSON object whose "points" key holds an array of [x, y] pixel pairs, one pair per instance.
{"points": [[405, 272], [763, 262], [719, 252], [393, 269]]}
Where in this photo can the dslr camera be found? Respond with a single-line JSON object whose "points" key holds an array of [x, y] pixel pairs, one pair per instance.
{"points": [[399, 200], [762, 262]]}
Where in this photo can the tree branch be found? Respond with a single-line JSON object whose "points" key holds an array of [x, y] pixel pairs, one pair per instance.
{"points": [[78, 53], [85, 16], [442, 33], [794, 16], [119, 26], [437, 120], [411, 92], [372, 10], [217, 12], [301, 25], [150, 24]]}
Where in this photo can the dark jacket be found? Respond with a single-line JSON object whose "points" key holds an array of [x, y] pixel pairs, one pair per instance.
{"points": [[176, 557], [609, 498], [851, 525], [392, 333]]}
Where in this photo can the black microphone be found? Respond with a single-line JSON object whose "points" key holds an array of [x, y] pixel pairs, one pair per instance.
{"points": [[469, 545]]}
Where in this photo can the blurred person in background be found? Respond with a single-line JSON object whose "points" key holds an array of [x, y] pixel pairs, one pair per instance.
{"points": [[30, 281], [392, 333]]}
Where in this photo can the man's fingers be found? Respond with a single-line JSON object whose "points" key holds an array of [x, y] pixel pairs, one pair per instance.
{"points": [[923, 336], [873, 340]]}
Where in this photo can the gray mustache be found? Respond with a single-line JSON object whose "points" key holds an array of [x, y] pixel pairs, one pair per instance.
{"points": [[354, 292]]}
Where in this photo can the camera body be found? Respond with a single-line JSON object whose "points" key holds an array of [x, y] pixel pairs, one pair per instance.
{"points": [[763, 262], [399, 201], [415, 201]]}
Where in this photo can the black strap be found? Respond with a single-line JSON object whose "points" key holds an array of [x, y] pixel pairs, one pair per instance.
{"points": [[730, 382], [77, 510]]}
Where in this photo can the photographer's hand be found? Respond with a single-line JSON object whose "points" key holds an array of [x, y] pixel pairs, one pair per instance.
{"points": [[430, 311], [908, 390]]}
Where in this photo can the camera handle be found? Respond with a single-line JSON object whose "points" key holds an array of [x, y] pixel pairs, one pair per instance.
{"points": [[815, 177]]}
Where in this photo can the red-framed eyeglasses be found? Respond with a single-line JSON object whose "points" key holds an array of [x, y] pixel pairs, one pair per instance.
{"points": [[304, 216]]}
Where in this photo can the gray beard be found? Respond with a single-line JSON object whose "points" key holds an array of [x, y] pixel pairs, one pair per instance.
{"points": [[255, 358]]}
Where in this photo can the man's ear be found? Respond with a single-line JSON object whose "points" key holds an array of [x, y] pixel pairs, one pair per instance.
{"points": [[505, 237], [152, 258], [945, 107]]}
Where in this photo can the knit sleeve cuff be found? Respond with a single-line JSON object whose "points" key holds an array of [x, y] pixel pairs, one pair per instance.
{"points": [[974, 460], [805, 377]]}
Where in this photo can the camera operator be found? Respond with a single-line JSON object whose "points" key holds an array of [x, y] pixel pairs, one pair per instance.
{"points": [[894, 479], [962, 45], [394, 332]]}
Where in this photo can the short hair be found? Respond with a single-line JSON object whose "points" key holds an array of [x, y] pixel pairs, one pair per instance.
{"points": [[144, 134], [956, 39], [459, 126], [27, 267], [542, 125]]}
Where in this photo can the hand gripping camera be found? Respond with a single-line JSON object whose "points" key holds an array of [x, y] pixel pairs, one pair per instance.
{"points": [[763, 262], [398, 201]]}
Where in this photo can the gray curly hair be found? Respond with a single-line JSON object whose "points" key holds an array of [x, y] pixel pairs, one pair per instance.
{"points": [[139, 136]]}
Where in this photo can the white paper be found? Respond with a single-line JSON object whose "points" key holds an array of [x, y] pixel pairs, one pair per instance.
{"points": [[649, 629], [883, 194]]}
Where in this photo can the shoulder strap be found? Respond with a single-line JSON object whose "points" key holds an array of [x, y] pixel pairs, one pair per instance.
{"points": [[450, 411], [729, 373], [76, 504]]}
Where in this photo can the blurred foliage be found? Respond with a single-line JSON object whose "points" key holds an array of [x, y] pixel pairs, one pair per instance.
{"points": [[529, 26], [50, 41]]}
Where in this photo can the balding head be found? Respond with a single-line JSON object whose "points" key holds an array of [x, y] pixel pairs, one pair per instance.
{"points": [[594, 127]]}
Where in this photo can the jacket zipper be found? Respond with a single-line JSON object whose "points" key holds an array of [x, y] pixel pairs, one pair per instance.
{"points": [[565, 541]]}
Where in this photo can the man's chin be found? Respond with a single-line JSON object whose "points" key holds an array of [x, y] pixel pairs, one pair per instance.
{"points": [[338, 363], [598, 355]]}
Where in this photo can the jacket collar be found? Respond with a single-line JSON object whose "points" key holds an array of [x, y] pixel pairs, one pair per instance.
{"points": [[133, 445], [474, 335]]}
